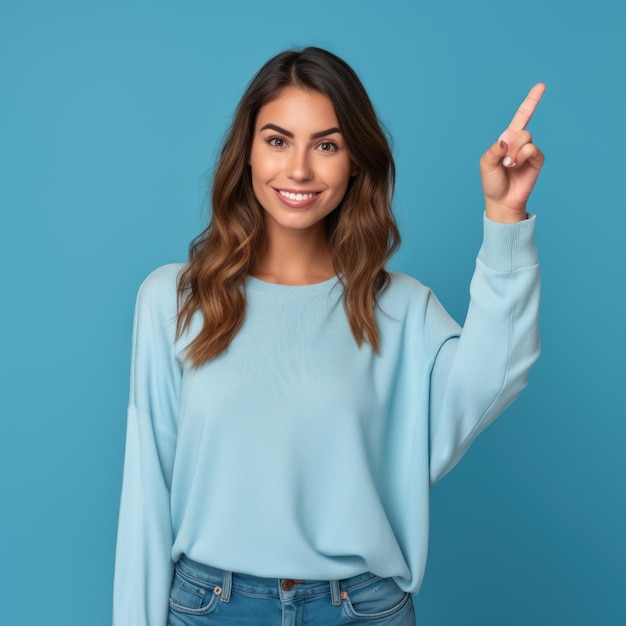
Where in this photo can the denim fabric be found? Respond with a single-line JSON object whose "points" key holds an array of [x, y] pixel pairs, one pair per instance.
{"points": [[205, 596]]}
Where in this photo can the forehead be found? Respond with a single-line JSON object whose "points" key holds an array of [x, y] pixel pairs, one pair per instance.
{"points": [[298, 109]]}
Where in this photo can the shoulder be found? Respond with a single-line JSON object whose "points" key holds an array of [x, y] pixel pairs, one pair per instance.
{"points": [[158, 292], [162, 279], [403, 292], [408, 304]]}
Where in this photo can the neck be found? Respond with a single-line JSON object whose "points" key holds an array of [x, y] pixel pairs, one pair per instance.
{"points": [[295, 257]]}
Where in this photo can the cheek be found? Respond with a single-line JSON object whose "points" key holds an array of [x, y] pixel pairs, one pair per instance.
{"points": [[341, 176], [263, 165]]}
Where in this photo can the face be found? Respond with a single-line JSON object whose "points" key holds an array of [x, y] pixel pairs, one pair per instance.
{"points": [[299, 161]]}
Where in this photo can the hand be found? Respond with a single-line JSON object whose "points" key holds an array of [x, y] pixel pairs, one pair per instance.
{"points": [[510, 168]]}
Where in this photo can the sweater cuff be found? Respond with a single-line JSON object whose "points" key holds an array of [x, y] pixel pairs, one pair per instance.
{"points": [[509, 247]]}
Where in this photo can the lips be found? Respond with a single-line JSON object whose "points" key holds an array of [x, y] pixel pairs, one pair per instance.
{"points": [[295, 198]]}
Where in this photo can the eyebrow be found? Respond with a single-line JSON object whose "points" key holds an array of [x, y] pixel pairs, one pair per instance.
{"points": [[321, 133]]}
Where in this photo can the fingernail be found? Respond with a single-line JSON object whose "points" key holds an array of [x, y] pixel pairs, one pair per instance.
{"points": [[507, 161]]}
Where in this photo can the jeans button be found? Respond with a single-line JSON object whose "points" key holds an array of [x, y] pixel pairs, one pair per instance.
{"points": [[288, 584]]}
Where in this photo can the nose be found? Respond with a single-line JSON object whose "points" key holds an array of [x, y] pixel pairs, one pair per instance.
{"points": [[299, 165]]}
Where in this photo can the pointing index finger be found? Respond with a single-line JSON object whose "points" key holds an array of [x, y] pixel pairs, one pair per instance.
{"points": [[527, 108]]}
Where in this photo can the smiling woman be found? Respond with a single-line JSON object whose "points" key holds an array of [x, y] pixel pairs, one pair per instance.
{"points": [[352, 232], [291, 401]]}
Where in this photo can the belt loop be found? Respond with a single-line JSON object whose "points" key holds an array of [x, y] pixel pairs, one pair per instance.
{"points": [[227, 585], [335, 593]]}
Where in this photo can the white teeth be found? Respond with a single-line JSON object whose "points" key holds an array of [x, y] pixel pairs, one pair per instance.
{"points": [[296, 196]]}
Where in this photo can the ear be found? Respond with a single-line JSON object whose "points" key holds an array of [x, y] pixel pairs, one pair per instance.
{"points": [[355, 170]]}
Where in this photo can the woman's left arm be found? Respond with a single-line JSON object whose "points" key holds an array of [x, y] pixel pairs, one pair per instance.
{"points": [[482, 370]]}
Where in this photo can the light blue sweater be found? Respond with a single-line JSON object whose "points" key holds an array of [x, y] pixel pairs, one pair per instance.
{"points": [[296, 454]]}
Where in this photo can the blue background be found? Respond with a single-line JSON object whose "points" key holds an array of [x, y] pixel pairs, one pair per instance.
{"points": [[111, 117]]}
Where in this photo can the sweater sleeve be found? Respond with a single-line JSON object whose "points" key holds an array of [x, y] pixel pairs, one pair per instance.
{"points": [[481, 370], [143, 563]]}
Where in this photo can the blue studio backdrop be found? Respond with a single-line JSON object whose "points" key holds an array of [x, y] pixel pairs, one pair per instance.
{"points": [[111, 118]]}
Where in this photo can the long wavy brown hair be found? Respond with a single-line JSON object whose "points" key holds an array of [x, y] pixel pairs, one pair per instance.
{"points": [[362, 232]]}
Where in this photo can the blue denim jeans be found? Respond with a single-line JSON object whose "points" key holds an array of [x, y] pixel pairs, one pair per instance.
{"points": [[205, 596]]}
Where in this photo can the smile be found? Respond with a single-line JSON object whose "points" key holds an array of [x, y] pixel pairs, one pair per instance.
{"points": [[297, 196]]}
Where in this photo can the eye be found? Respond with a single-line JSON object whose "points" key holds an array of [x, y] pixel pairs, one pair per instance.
{"points": [[327, 146], [276, 142]]}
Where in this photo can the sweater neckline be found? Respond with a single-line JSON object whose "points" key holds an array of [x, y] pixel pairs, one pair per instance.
{"points": [[277, 290]]}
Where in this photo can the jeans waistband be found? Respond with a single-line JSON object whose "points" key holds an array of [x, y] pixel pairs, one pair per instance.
{"points": [[284, 588]]}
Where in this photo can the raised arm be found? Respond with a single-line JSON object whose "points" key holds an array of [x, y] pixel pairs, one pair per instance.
{"points": [[481, 371]]}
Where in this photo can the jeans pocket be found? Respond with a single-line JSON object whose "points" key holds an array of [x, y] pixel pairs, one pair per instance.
{"points": [[192, 596], [376, 599]]}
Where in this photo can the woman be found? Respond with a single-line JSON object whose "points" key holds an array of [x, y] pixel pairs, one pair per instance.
{"points": [[291, 401]]}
